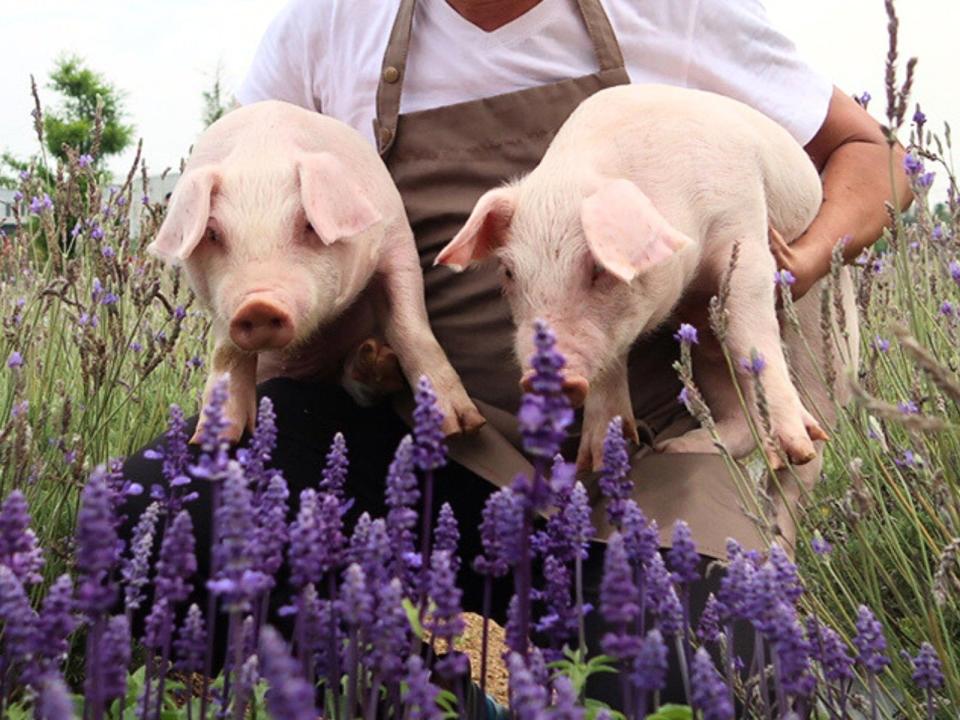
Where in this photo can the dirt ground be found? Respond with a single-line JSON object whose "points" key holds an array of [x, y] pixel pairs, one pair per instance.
{"points": [[472, 644]]}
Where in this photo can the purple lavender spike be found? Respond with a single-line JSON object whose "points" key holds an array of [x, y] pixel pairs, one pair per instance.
{"points": [[618, 594], [212, 463], [335, 471], [870, 642], [19, 623], [710, 693], [562, 619], [54, 702], [114, 659], [641, 537], [97, 546], [391, 632], [136, 568], [792, 650], [927, 670], [402, 496], [271, 534], [420, 699], [683, 556], [430, 451], [545, 413], [565, 705], [446, 536], [257, 456], [290, 696], [649, 669], [19, 549], [500, 531], [614, 481], [177, 561], [528, 698], [446, 621], [56, 622], [791, 586], [709, 629], [191, 643]]}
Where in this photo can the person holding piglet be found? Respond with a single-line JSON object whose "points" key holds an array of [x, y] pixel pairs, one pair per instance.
{"points": [[459, 96]]}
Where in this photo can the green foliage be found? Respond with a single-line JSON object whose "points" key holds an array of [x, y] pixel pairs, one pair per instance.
{"points": [[672, 712], [74, 123], [215, 105]]}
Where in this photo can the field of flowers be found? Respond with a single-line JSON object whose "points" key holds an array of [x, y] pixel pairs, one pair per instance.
{"points": [[98, 342]]}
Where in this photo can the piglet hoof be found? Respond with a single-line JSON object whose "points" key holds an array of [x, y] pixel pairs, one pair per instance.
{"points": [[797, 446], [814, 431], [461, 417], [231, 434], [376, 366]]}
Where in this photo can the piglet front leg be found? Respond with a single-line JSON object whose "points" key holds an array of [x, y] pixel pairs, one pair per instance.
{"points": [[608, 397], [240, 411], [403, 316]]}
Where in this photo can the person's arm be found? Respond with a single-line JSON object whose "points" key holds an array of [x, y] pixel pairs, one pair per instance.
{"points": [[852, 153]]}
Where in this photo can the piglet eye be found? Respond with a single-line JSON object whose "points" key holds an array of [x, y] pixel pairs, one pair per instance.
{"points": [[213, 236], [597, 272], [309, 229], [508, 273]]}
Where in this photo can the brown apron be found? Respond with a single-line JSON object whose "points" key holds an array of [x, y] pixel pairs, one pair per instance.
{"points": [[443, 160]]}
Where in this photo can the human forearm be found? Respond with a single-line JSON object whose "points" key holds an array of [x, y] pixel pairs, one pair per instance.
{"points": [[859, 177]]}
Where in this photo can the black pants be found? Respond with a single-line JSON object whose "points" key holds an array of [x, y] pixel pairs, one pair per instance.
{"points": [[308, 415]]}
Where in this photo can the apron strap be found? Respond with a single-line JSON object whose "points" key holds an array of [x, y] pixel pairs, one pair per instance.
{"points": [[390, 85]]}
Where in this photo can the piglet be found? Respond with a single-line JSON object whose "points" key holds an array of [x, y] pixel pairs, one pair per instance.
{"points": [[294, 238], [639, 201]]}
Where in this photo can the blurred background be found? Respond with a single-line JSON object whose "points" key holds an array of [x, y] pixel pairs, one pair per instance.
{"points": [[164, 56]]}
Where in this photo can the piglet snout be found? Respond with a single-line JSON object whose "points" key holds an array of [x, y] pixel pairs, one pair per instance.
{"points": [[261, 324], [575, 387]]}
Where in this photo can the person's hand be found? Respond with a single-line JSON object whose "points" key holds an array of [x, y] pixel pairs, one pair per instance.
{"points": [[804, 260]]}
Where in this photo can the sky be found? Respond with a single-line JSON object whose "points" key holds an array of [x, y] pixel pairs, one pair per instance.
{"points": [[164, 54]]}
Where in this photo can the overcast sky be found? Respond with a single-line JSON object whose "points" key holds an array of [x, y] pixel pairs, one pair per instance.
{"points": [[163, 55]]}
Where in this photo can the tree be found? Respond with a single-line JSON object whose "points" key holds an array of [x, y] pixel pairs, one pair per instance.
{"points": [[73, 123], [214, 104]]}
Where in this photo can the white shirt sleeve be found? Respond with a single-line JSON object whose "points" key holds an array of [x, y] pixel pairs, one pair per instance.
{"points": [[285, 60], [735, 51]]}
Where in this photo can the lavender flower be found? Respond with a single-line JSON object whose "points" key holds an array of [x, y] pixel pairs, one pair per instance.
{"points": [[19, 549], [256, 458], [710, 693], [446, 620], [114, 659], [831, 652], [545, 413], [708, 630], [212, 463], [793, 652], [640, 537], [136, 568], [568, 531], [662, 597], [686, 334], [528, 698], [402, 496], [420, 699], [97, 545], [56, 621], [316, 538], [618, 594], [290, 696], [390, 636], [683, 556], [614, 481], [335, 471], [446, 535], [562, 618], [500, 529], [927, 671], [191, 642], [356, 602], [235, 578], [54, 701], [565, 701], [955, 271], [271, 533], [649, 671], [870, 643], [790, 584], [784, 278], [15, 361], [177, 560], [820, 545], [85, 160], [754, 365], [19, 623], [430, 451]]}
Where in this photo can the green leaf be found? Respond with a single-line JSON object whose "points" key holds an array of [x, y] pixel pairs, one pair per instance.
{"points": [[672, 712], [413, 617]]}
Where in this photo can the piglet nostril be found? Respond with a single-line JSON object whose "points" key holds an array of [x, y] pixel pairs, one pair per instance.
{"points": [[261, 324]]}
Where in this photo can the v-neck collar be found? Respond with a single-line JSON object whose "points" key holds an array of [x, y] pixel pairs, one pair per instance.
{"points": [[516, 29]]}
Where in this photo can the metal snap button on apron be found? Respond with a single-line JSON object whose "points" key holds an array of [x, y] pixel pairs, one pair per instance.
{"points": [[391, 74]]}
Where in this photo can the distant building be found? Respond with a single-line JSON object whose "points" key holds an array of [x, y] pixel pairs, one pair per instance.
{"points": [[7, 223]]}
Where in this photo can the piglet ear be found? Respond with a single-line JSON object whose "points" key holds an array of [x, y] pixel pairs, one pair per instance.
{"points": [[624, 231], [187, 215], [335, 205], [484, 231]]}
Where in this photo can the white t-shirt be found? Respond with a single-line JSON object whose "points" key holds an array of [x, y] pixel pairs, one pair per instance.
{"points": [[327, 55]]}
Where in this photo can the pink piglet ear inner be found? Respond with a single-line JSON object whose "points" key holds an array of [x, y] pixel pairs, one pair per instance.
{"points": [[187, 217], [626, 234], [336, 206], [484, 231]]}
